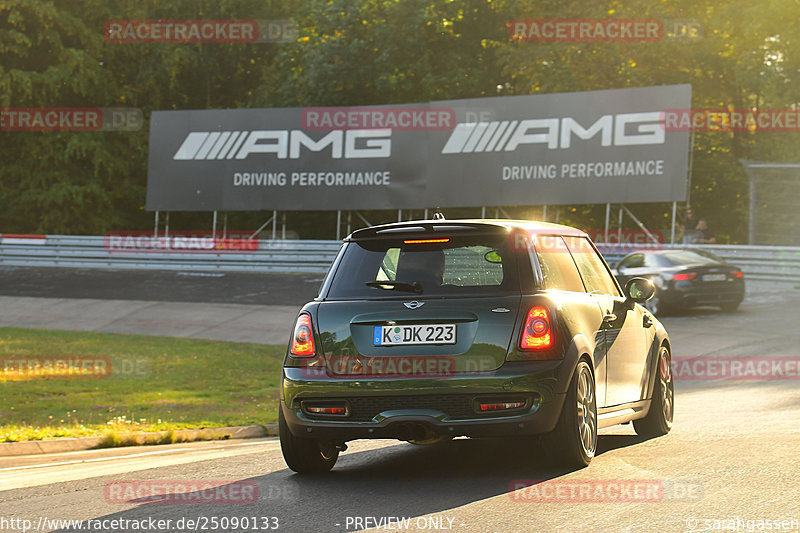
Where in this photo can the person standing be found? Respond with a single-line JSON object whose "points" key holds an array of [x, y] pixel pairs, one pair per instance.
{"points": [[687, 226], [703, 234]]}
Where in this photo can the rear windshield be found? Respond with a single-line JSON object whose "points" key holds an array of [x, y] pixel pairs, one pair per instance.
{"points": [[462, 266], [690, 257]]}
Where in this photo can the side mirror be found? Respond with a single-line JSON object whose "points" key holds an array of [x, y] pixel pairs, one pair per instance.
{"points": [[639, 290]]}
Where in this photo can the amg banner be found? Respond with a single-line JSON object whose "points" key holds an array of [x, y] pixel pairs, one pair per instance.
{"points": [[565, 148]]}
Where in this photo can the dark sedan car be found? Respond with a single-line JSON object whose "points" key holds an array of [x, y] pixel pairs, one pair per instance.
{"points": [[428, 330], [684, 278]]}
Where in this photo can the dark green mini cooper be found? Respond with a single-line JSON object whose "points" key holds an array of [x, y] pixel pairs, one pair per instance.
{"points": [[428, 330]]}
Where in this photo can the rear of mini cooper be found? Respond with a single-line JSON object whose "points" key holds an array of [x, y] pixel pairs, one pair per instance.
{"points": [[423, 331]]}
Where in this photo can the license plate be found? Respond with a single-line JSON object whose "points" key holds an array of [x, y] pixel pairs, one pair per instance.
{"points": [[414, 334], [715, 277]]}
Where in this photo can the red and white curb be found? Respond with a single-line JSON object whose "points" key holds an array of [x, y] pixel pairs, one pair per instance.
{"points": [[15, 238]]}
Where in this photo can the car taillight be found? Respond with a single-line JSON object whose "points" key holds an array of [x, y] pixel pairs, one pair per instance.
{"points": [[737, 274], [326, 407], [303, 337], [320, 410], [425, 241], [500, 406], [684, 277], [537, 333]]}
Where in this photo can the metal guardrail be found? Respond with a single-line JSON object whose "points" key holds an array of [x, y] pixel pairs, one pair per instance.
{"points": [[768, 263], [95, 252]]}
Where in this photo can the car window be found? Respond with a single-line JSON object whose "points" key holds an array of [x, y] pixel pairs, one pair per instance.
{"points": [[689, 257], [632, 261], [468, 266], [388, 269], [594, 273], [653, 261], [462, 266], [557, 266]]}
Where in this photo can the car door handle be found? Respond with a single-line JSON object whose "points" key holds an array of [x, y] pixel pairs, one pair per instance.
{"points": [[609, 317], [646, 322]]}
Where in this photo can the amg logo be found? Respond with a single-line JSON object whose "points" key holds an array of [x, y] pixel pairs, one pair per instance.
{"points": [[618, 130], [284, 144]]}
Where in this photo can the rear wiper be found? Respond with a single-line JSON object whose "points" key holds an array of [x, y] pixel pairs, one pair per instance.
{"points": [[387, 285]]}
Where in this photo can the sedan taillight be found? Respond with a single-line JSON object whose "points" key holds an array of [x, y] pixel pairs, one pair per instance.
{"points": [[303, 337], [537, 333], [685, 276], [737, 274]]}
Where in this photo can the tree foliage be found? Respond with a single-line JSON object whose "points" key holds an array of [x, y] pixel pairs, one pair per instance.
{"points": [[361, 52]]}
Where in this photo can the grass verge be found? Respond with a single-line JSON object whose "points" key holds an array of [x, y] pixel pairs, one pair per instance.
{"points": [[130, 383]]}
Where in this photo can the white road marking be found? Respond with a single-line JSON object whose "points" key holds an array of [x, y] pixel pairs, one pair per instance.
{"points": [[45, 474]]}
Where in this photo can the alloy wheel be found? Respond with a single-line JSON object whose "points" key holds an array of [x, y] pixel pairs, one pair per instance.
{"points": [[587, 412]]}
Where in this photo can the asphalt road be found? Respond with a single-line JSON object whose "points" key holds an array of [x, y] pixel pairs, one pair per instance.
{"points": [[160, 285], [731, 463], [236, 306]]}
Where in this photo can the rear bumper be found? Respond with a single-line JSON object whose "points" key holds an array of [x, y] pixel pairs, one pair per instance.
{"points": [[688, 296], [542, 382]]}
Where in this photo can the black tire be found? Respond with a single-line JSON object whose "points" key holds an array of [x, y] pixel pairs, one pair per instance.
{"points": [[304, 455], [659, 418], [730, 307], [573, 442]]}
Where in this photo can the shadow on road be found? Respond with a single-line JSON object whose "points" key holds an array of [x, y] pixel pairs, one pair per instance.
{"points": [[395, 481]]}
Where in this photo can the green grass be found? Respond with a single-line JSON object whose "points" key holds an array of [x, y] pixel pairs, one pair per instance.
{"points": [[155, 383]]}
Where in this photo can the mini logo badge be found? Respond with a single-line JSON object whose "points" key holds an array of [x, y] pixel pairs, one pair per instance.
{"points": [[414, 304]]}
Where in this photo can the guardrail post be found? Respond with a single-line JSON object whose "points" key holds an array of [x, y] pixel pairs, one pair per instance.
{"points": [[751, 224], [672, 230]]}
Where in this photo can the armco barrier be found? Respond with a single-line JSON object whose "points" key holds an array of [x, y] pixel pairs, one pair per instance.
{"points": [[92, 252], [769, 263]]}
